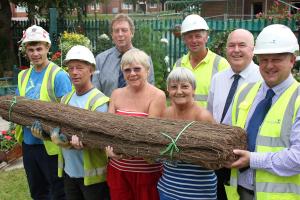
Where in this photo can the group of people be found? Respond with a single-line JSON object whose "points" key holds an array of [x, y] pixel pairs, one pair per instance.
{"points": [[203, 86]]}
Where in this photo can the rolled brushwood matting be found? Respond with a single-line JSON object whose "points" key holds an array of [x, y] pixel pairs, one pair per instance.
{"points": [[204, 144]]}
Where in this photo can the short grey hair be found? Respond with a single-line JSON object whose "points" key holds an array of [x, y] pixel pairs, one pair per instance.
{"points": [[135, 55], [182, 74]]}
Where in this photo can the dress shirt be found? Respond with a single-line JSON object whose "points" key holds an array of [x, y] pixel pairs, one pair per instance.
{"points": [[220, 86], [106, 75], [282, 163]]}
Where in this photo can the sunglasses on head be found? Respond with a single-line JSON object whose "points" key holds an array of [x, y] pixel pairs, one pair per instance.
{"points": [[134, 69]]}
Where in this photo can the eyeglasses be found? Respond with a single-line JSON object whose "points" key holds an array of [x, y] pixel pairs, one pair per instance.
{"points": [[129, 70]]}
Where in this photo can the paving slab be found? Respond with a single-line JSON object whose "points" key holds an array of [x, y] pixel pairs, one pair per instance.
{"points": [[3, 124]]}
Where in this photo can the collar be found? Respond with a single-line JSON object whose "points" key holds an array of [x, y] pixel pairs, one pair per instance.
{"points": [[280, 88], [246, 72]]}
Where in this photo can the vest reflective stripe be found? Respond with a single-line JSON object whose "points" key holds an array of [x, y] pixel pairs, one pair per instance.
{"points": [[277, 188], [178, 62], [244, 106], [47, 93], [269, 185], [216, 64], [199, 97], [241, 94], [202, 98], [94, 160], [95, 172], [50, 84]]}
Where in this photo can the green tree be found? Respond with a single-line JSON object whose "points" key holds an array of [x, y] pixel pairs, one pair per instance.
{"points": [[7, 55]]}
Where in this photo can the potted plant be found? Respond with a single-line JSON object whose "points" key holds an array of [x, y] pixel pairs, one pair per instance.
{"points": [[10, 149]]}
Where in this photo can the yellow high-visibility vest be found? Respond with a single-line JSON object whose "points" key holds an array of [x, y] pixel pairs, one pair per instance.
{"points": [[46, 94], [94, 160], [204, 71], [273, 136]]}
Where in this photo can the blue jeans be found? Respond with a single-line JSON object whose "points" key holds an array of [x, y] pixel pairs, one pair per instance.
{"points": [[41, 171]]}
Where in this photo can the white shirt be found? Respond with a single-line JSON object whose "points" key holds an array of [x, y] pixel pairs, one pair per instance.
{"points": [[220, 86]]}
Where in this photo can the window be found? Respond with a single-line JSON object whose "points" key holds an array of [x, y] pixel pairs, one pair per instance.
{"points": [[20, 9], [126, 6], [95, 6], [153, 5]]}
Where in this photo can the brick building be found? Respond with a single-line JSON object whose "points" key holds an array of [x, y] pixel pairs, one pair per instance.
{"points": [[209, 8], [241, 8]]}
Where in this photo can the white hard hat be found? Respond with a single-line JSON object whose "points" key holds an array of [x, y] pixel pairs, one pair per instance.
{"points": [[276, 38], [35, 34], [80, 52], [193, 22]]}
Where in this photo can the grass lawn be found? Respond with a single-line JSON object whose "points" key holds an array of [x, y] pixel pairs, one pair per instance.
{"points": [[13, 185]]}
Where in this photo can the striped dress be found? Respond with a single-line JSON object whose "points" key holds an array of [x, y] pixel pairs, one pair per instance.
{"points": [[183, 181]]}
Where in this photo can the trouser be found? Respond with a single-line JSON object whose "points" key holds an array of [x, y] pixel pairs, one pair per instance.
{"points": [[245, 194], [76, 190], [223, 176], [132, 185], [41, 172]]}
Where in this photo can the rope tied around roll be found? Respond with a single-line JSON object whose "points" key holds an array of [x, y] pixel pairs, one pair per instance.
{"points": [[172, 146]]}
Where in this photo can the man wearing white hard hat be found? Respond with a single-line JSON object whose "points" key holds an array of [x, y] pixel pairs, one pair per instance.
{"points": [[200, 60], [78, 165], [269, 112], [43, 81]]}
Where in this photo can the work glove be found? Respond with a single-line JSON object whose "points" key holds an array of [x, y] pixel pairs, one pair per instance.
{"points": [[37, 131], [59, 139]]}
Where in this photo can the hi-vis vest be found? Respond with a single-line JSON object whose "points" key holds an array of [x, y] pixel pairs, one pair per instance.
{"points": [[47, 93], [203, 75], [273, 136], [94, 160]]}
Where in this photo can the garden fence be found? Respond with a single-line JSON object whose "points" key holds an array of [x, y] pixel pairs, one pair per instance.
{"points": [[175, 48]]}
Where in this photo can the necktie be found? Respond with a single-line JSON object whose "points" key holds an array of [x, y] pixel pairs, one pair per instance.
{"points": [[257, 118], [230, 95], [121, 80]]}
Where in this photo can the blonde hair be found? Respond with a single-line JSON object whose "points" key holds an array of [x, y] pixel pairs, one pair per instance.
{"points": [[135, 55]]}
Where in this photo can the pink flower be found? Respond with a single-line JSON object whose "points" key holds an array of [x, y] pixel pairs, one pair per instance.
{"points": [[3, 132], [8, 137]]}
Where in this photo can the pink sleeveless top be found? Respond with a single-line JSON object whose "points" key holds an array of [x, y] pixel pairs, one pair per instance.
{"points": [[134, 164]]}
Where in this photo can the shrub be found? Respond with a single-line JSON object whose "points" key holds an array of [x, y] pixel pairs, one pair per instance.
{"points": [[149, 41], [67, 41]]}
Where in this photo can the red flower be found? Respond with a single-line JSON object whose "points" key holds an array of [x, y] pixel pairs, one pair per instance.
{"points": [[56, 55], [8, 137], [23, 67], [3, 132]]}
